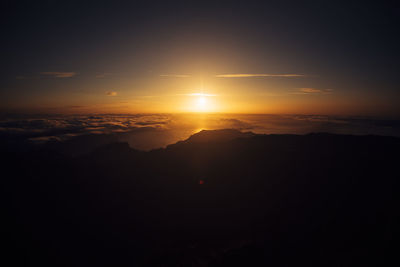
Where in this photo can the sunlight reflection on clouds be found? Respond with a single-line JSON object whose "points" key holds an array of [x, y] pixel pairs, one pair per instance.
{"points": [[148, 131]]}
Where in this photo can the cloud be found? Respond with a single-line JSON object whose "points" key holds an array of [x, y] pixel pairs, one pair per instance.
{"points": [[65, 125], [111, 93], [151, 123], [175, 75], [313, 91], [249, 75], [59, 74], [149, 131], [310, 90]]}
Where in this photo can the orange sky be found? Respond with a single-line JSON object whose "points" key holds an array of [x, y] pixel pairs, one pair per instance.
{"points": [[227, 93]]}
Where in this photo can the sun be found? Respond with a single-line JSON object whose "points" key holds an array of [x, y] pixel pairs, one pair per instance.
{"points": [[202, 103]]}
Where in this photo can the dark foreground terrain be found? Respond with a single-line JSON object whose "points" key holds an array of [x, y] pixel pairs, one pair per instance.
{"points": [[220, 198]]}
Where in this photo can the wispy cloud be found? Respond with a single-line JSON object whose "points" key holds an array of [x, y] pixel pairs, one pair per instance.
{"points": [[310, 90], [304, 91], [111, 93], [57, 74], [175, 75], [250, 75]]}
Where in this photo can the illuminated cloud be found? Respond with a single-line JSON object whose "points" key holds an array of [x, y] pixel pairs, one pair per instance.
{"points": [[303, 91], [249, 75], [175, 75], [310, 90], [59, 74], [111, 93]]}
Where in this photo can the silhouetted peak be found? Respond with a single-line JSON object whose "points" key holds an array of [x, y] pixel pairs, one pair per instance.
{"points": [[205, 136]]}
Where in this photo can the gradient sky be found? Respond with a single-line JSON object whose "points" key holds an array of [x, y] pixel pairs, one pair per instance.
{"points": [[299, 57]]}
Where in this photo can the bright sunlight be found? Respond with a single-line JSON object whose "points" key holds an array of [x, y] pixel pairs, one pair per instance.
{"points": [[201, 102]]}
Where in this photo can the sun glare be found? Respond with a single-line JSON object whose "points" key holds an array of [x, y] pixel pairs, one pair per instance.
{"points": [[202, 102]]}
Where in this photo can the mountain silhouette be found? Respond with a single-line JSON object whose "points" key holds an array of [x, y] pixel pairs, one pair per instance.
{"points": [[317, 200], [222, 135]]}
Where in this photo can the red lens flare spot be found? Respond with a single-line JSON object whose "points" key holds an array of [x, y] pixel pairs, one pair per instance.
{"points": [[201, 182]]}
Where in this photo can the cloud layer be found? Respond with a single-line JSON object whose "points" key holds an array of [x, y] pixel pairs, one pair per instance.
{"points": [[157, 130]]}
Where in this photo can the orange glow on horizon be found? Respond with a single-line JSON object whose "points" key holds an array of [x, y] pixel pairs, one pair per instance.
{"points": [[182, 94]]}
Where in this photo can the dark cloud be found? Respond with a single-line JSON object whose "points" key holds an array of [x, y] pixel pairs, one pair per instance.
{"points": [[146, 123]]}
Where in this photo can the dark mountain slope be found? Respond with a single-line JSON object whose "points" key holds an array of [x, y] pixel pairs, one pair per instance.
{"points": [[280, 200]]}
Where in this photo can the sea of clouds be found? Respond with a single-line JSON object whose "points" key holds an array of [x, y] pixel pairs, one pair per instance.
{"points": [[149, 131]]}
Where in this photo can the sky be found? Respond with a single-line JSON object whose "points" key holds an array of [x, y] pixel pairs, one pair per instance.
{"points": [[274, 57]]}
